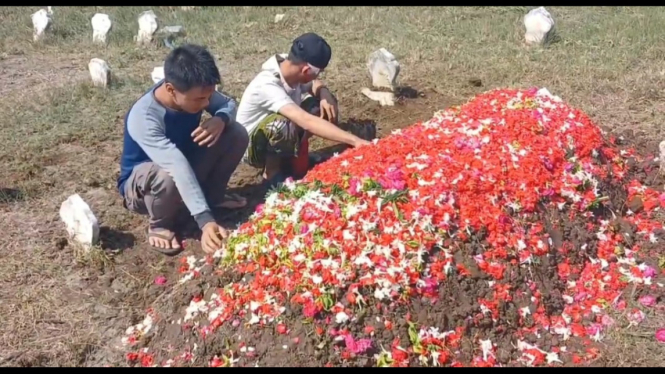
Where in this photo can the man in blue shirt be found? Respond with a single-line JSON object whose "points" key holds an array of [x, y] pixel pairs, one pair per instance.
{"points": [[170, 158]]}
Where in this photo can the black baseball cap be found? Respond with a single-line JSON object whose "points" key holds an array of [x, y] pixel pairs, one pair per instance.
{"points": [[312, 49]]}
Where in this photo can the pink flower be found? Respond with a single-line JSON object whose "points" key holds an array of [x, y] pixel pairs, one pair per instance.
{"points": [[649, 272], [393, 179], [636, 317], [647, 300], [259, 209], [394, 172], [357, 346], [581, 296], [504, 220], [390, 184], [309, 310], [160, 280], [660, 335], [606, 320], [549, 192], [430, 286], [594, 329], [473, 143], [354, 187], [661, 198]]}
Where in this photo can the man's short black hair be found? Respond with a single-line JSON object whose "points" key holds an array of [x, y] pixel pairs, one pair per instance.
{"points": [[190, 66], [295, 59]]}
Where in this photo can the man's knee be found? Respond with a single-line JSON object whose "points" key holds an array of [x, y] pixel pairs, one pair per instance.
{"points": [[162, 185], [311, 105], [234, 139], [237, 135]]}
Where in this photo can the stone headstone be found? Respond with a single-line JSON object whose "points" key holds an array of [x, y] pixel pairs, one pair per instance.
{"points": [[157, 74], [539, 26], [383, 69], [81, 224], [100, 72], [384, 98], [147, 27], [101, 25], [41, 21]]}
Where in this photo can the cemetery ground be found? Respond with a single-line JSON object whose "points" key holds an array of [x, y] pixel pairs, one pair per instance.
{"points": [[63, 306]]}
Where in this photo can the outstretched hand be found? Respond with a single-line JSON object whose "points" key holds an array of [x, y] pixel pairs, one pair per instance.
{"points": [[360, 142]]}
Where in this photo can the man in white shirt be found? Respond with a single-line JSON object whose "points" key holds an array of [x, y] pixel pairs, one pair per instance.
{"points": [[275, 116]]}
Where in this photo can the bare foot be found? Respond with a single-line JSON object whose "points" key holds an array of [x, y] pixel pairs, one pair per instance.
{"points": [[163, 240]]}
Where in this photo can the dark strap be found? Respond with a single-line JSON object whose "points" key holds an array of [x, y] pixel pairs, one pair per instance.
{"points": [[161, 236]]}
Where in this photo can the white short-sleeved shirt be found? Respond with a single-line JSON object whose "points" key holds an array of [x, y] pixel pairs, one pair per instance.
{"points": [[266, 94]]}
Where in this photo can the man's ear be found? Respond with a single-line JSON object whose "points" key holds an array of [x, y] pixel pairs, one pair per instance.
{"points": [[304, 69], [169, 88]]}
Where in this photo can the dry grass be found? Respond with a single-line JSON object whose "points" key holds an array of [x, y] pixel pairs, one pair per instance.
{"points": [[60, 136]]}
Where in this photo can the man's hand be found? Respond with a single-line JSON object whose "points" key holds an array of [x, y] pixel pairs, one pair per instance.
{"points": [[360, 142], [328, 111], [209, 132], [328, 104], [212, 237]]}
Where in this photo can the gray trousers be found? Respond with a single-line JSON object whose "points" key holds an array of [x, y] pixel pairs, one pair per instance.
{"points": [[151, 190]]}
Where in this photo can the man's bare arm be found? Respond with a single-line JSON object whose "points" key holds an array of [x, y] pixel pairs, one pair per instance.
{"points": [[318, 126], [318, 89]]}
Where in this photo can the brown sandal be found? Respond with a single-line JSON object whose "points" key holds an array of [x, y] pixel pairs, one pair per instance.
{"points": [[168, 238]]}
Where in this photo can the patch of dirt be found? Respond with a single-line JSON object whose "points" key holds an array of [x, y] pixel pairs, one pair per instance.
{"points": [[39, 73]]}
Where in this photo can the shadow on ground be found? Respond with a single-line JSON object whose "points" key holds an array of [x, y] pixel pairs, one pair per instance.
{"points": [[9, 195], [115, 240], [407, 92]]}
